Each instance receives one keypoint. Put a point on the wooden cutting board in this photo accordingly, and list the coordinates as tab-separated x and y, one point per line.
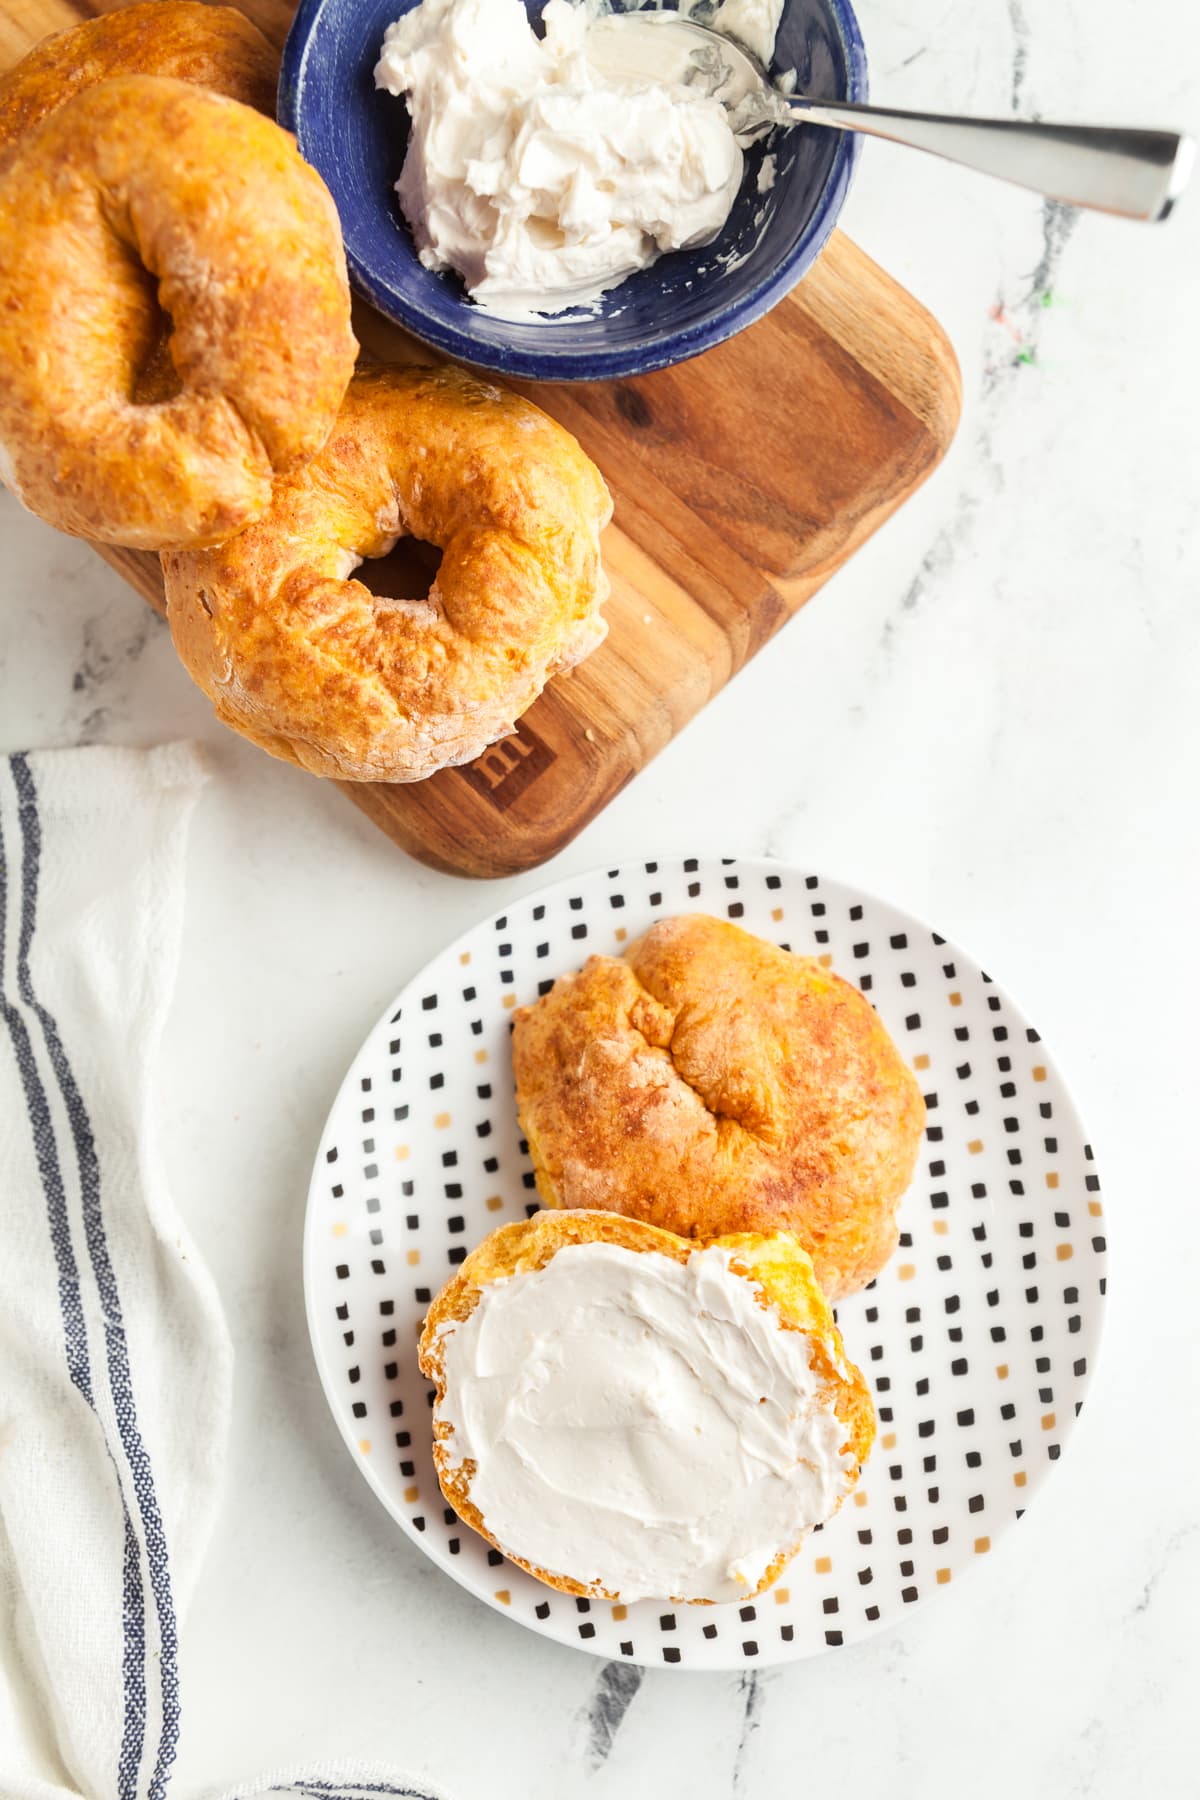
741	481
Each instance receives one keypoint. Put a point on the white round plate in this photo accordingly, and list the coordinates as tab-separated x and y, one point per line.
977	1338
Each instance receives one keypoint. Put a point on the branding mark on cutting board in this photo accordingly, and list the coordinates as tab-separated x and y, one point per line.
506	769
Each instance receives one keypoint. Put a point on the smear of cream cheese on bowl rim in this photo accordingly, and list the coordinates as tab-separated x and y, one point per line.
542	179
642	1424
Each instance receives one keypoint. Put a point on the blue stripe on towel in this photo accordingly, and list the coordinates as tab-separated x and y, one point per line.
46	1151
117	1353
349	1790
77	1359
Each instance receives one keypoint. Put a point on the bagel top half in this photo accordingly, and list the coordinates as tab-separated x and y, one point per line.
707	1081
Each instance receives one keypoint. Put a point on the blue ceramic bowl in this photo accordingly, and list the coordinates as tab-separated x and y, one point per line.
682	304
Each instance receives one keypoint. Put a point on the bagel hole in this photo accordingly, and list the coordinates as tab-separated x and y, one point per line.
157	379
407	571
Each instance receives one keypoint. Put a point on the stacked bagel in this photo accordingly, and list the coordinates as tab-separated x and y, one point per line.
177	374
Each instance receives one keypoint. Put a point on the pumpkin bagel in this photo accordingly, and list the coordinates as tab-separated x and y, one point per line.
709	1082
212	46
141	196
315	668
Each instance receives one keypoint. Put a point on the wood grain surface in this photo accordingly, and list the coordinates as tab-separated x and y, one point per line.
741	481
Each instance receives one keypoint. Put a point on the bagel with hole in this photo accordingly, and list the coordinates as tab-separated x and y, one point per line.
633	1416
707	1081
212	46
139	197
307	662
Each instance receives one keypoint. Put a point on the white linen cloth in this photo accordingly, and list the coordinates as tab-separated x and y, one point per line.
116	1368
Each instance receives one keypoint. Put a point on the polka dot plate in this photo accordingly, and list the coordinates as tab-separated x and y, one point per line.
977	1338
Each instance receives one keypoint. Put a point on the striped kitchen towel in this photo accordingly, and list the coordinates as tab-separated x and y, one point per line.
115	1364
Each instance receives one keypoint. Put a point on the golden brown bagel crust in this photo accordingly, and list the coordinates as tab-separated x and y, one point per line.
320	671
212	46
776	1263
710	1082
143	181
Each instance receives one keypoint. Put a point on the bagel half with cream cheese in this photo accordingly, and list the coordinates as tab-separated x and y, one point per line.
630	1415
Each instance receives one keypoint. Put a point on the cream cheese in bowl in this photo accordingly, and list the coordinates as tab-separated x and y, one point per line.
547	170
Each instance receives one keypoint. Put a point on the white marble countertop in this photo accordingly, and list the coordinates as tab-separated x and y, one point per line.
990	717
